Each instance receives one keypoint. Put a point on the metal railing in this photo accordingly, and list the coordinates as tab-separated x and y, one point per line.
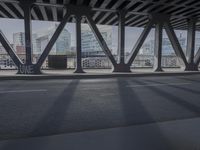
98	62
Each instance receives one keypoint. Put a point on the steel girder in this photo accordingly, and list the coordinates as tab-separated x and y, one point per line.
123	66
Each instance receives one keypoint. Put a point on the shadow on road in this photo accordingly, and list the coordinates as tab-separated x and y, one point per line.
50	123
136	113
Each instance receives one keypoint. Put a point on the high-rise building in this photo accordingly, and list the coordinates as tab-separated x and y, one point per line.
167	49
197	42
61	46
90	45
19	42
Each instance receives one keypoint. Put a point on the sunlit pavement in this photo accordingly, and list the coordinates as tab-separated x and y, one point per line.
91	73
113	113
174	135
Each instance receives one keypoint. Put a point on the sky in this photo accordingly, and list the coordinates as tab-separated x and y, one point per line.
10	26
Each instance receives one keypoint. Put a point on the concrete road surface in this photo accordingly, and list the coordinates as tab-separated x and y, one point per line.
49	107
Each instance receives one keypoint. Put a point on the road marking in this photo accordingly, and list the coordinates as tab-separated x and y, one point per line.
23	91
157	84
107	94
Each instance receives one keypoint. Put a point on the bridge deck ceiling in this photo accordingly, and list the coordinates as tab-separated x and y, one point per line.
104	10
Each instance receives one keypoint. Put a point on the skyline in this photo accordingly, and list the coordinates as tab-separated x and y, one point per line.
10	26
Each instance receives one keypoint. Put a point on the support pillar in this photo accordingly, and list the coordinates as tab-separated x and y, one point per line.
27	67
158	47
191	45
121	66
27	6
78	46
121	37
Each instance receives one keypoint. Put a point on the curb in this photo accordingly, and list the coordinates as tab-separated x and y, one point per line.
94	76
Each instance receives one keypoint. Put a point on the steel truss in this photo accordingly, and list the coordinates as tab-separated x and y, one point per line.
161	21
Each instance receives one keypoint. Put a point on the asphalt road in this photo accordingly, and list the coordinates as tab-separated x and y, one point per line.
46	107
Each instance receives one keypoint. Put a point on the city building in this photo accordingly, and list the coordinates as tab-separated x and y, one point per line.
90	46
41	39
167	49
197	42
19	42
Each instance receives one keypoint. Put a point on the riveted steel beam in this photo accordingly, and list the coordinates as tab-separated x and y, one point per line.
191	40
100	39
27	6
10	50
158	47
53	40
78	46
175	43
121	37
197	57
139	42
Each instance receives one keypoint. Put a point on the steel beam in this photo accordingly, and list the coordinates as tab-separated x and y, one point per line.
139	42
121	66
191	45
10	11
191	40
10	50
19	9
175	43
158	47
121	37
197	57
78	46
52	41
100	39
3	14
28	30
54	10
42	10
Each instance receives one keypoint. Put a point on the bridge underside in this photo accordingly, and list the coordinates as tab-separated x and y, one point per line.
158	14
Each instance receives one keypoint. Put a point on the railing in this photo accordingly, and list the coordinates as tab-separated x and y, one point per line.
98	62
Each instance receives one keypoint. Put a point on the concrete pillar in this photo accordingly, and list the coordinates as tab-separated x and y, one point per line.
158	47
78	46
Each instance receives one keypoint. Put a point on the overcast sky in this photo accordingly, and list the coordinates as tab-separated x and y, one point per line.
10	26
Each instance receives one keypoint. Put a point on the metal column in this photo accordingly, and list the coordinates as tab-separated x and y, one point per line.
191	45
78	46
158	47
121	36
26	5
121	66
